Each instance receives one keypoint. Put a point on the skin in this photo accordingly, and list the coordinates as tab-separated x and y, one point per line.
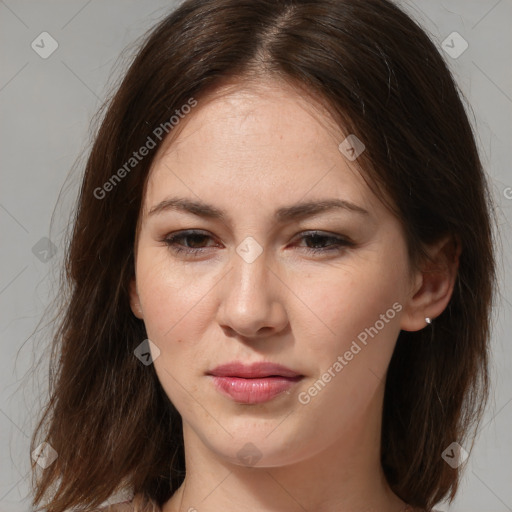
250	149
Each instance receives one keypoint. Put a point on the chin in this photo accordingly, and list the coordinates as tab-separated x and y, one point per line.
256	447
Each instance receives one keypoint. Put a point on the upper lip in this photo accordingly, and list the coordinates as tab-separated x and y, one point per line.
253	371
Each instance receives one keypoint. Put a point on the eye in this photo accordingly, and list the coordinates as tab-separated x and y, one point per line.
194	241
324	242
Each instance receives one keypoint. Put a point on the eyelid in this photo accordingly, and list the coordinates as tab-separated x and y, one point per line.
325	234
186	233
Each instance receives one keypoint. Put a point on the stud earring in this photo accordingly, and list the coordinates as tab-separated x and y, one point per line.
428	320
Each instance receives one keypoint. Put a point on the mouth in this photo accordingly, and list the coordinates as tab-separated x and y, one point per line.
255	383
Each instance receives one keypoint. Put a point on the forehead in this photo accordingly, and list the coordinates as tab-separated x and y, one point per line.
265	114
260	140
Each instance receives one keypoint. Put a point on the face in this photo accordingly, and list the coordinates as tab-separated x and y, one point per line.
232	268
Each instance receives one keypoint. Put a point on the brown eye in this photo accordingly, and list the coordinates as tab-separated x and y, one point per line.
191	242
319	242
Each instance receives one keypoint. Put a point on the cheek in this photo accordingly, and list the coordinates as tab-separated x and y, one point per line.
170	296
359	312
173	308
361	304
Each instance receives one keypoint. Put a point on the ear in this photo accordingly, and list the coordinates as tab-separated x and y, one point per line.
134	300
433	285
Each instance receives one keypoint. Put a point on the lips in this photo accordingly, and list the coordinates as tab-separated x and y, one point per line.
253	371
255	383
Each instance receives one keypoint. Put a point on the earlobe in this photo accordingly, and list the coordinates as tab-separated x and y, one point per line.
134	300
434	285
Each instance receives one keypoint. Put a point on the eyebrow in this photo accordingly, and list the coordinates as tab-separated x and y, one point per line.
284	214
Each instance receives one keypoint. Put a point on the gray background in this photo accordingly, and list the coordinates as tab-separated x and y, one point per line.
46	106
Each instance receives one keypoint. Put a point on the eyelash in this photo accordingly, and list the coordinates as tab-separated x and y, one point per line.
172	242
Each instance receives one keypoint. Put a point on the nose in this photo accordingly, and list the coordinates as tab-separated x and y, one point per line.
252	299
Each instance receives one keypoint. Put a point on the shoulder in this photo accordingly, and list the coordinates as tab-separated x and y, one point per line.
126	506
123	500
136	503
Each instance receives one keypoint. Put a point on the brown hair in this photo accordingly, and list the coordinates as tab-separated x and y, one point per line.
108	417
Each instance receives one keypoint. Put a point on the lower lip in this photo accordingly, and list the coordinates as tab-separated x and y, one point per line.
254	391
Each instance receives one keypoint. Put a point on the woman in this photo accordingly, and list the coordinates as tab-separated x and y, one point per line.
281	272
